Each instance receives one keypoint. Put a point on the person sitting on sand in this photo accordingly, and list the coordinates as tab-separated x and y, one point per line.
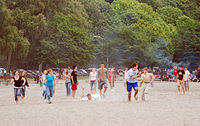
90	97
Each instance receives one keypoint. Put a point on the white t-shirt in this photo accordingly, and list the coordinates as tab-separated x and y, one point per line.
187	73
93	76
94	97
43	77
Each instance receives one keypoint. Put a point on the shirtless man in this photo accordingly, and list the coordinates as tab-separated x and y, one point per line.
147	79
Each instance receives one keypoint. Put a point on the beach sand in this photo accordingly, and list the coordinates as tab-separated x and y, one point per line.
164	107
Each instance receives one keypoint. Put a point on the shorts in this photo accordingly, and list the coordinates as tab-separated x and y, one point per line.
18	91
186	83
74	86
145	87
131	85
180	82
102	84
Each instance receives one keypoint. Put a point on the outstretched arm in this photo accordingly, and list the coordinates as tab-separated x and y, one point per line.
12	81
24	81
134	77
153	78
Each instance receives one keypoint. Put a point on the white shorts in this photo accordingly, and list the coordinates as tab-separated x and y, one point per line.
145	87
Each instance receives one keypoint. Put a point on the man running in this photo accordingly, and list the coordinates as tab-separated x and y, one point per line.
132	81
102	75
147	80
187	75
112	77
180	79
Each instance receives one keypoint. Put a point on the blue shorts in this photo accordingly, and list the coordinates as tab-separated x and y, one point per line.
131	85
186	83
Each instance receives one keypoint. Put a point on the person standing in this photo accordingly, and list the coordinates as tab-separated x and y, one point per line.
74	81
93	80
187	75
69	69
169	72
102	75
67	77
133	74
17	80
125	76
50	84
23	75
198	74
44	84
112	78
147	80
175	73
180	79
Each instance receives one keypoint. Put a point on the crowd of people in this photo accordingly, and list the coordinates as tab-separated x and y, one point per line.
171	74
101	79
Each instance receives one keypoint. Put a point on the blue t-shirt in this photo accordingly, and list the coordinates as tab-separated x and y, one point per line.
131	73
169	72
50	80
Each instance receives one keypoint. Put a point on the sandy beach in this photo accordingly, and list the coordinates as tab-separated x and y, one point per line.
164	107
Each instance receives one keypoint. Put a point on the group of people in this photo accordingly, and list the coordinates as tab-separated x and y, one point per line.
131	82
194	76
182	78
100	78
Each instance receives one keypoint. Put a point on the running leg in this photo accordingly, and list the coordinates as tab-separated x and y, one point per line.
129	96
136	92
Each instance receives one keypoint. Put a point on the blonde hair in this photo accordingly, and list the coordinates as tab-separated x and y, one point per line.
146	68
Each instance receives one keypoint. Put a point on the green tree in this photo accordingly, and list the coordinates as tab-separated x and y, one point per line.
169	14
12	40
187	41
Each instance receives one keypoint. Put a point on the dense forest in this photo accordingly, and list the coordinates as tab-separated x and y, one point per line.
86	32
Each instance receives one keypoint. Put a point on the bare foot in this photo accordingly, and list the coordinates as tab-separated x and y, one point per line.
136	98
143	99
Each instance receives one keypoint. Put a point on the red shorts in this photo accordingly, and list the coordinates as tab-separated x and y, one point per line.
74	86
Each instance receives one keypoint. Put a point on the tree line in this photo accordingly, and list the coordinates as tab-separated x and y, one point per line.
87	32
